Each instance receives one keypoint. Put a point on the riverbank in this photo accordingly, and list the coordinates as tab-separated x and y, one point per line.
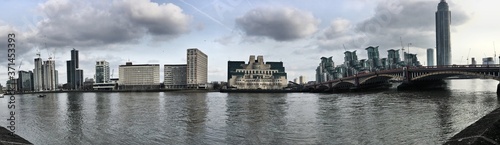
258	91
156	90
484	131
6	138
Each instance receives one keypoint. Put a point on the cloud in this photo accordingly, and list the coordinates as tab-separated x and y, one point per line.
280	24
413	21
337	28
94	23
158	19
225	40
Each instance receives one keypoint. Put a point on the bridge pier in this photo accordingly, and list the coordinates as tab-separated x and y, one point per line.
422	85
498	90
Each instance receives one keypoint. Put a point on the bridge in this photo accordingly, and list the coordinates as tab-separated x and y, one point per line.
410	77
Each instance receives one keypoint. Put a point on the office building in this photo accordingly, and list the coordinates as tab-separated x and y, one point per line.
74	80
102	71
430	57
175	76
197	68
25	81
443	44
139	76
78	78
256	74
37	75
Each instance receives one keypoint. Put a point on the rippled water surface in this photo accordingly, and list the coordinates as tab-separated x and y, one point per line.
388	117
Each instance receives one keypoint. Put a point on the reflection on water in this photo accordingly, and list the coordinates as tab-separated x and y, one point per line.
388	117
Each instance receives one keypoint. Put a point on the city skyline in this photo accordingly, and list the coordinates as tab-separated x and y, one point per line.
222	30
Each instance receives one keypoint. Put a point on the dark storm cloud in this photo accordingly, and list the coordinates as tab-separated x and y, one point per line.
85	24
413	21
280	24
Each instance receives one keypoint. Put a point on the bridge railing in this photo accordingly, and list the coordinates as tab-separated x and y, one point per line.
362	74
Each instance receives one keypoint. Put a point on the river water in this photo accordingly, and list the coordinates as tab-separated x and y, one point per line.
386	117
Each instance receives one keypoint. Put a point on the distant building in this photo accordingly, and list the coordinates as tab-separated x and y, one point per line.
351	59
326	69
443	44
25	81
79	78
37	75
49	75
393	59
139	76
373	61
430	57
11	85
411	59
175	76
256	74
74	75
197	68
488	61
102	71
302	80
473	61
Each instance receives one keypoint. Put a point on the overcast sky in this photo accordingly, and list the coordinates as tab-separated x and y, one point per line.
297	32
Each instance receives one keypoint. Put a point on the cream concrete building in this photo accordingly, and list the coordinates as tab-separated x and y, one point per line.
49	74
139	74
256	74
197	68
175	76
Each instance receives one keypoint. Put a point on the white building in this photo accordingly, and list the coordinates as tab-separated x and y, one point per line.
139	74
257	74
197	68
37	75
101	71
49	75
175	76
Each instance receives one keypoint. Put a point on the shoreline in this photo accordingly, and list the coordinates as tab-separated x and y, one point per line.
113	91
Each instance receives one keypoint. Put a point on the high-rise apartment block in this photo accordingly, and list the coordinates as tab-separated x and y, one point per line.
430	57
443	44
175	76
37	75
197	68
102	72
49	75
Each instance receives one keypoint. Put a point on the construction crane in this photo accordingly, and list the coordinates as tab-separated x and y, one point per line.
112	71
344	47
468	57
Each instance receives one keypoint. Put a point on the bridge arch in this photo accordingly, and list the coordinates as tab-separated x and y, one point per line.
445	74
380	76
343	84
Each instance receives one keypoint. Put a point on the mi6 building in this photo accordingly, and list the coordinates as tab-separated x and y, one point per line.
256	74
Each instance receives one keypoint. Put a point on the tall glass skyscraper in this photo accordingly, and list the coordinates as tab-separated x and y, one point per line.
443	44
74	80
430	57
